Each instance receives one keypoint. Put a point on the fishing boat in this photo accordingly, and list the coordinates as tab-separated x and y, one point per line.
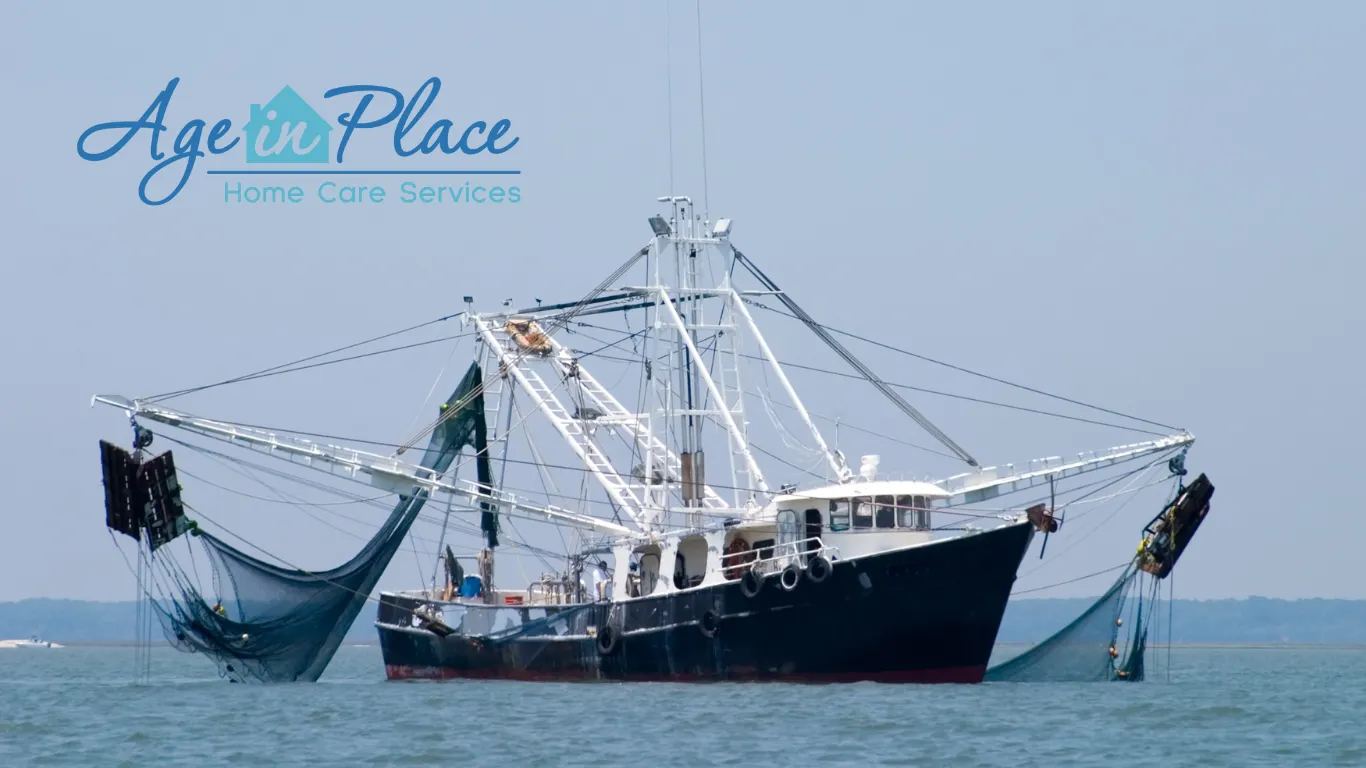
685	559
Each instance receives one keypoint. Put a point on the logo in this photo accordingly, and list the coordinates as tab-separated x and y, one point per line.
300	135
288	131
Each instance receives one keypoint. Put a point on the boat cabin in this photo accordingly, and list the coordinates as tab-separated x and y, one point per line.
841	522
859	518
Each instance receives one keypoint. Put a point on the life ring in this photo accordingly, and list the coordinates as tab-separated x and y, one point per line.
737	560
818	569
790	577
709	623
751	581
607	640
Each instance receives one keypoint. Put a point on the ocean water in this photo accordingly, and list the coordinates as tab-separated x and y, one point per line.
1222	706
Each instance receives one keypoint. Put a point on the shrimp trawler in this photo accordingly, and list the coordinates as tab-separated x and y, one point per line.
681	557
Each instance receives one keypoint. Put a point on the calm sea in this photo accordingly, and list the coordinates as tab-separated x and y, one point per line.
1238	707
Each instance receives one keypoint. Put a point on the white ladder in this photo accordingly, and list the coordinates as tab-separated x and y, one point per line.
628	425
519	365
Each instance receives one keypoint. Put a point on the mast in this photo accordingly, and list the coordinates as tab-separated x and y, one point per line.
677	319
684	389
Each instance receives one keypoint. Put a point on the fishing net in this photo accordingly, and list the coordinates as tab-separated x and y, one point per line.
1083	651
280	624
1088	649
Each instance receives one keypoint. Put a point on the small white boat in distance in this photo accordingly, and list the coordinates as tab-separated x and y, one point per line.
33	642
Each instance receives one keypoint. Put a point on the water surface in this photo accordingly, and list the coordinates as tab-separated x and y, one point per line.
1222	706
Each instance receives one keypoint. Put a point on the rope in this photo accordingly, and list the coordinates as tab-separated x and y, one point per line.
1171	602
1071	581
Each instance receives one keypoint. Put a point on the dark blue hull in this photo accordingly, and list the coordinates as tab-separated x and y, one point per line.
925	614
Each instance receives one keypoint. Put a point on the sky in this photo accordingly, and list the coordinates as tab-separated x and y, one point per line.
1157	210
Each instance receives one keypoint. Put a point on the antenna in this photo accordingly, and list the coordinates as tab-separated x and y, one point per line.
669	79
702	99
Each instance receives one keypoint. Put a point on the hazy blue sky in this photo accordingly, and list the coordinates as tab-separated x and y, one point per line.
1157	209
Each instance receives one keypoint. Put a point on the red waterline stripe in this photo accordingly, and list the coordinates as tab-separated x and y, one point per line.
946	675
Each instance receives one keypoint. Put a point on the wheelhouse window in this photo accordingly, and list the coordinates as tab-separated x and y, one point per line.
839	515
915	512
886	512
905	506
863	513
788	528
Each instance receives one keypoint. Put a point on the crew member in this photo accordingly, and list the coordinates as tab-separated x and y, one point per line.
601	584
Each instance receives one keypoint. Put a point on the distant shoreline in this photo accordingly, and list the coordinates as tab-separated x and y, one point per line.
1252	623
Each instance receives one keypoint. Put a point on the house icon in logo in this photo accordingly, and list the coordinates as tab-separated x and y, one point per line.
287	130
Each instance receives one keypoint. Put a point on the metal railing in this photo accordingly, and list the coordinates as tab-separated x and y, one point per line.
550	591
772	559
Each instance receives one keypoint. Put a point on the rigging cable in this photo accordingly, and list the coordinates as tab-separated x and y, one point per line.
978	400
1072	581
838	423
713	347
298	503
276	369
843	352
781	460
439	375
440	542
952	509
907	387
423	517
972	372
1137	475
550	329
1112	515
547	482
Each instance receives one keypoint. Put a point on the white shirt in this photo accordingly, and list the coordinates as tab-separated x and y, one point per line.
599	579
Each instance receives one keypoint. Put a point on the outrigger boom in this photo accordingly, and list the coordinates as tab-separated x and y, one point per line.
384	472
391	474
